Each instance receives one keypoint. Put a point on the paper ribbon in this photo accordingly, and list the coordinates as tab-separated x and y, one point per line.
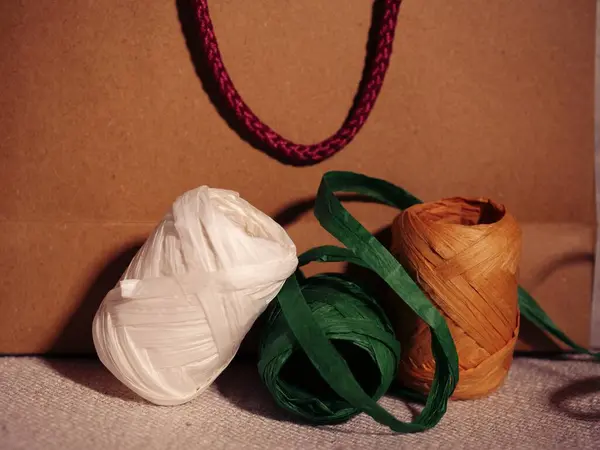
178	315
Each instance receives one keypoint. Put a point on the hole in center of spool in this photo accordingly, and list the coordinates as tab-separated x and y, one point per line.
462	211
300	373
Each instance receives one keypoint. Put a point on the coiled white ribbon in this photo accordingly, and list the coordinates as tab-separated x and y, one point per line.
193	291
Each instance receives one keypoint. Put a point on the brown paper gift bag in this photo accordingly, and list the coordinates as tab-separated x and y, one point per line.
104	121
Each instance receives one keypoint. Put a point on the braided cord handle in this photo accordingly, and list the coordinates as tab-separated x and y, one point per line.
368	91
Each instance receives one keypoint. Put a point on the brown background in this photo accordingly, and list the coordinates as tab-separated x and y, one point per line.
104	121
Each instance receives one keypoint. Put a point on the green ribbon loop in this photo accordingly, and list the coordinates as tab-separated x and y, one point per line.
389	194
365	250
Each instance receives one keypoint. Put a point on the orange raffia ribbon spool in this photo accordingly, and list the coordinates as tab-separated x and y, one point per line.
464	253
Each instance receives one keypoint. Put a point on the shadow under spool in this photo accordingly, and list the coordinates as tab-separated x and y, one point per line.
464	254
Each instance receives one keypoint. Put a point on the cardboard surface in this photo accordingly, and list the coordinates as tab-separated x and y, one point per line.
595	328
104	121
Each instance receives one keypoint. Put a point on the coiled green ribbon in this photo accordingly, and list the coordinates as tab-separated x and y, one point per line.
359	331
296	321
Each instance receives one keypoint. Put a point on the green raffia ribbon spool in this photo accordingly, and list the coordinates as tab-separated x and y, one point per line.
301	360
359	331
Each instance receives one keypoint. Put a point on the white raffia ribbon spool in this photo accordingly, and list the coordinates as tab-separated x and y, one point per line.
181	310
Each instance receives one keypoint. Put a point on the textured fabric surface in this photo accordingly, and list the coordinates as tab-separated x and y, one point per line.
77	404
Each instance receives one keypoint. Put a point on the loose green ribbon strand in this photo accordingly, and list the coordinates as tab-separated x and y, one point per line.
389	194
363	249
532	311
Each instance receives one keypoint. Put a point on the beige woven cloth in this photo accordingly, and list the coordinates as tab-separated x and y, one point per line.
77	404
